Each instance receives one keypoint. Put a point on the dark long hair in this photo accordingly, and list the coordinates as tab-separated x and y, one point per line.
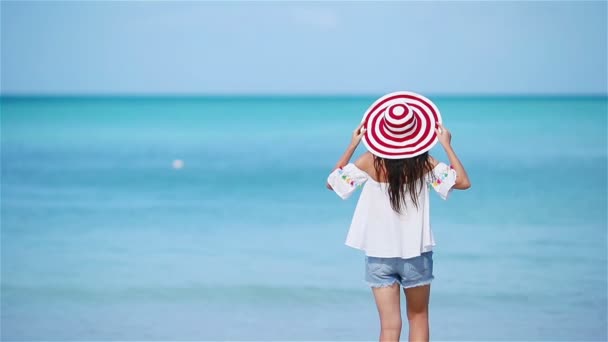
403	176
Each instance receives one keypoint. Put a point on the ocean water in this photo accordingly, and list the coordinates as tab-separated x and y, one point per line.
103	240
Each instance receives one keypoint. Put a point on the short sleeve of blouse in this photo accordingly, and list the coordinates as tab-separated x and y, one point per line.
346	180
443	180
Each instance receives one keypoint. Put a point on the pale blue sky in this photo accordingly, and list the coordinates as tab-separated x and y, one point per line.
303	47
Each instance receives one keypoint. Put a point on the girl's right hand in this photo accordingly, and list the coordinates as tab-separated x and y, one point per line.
444	136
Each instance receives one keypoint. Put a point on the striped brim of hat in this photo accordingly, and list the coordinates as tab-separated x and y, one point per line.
400	125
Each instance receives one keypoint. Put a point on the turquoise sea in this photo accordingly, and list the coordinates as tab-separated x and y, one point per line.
102	239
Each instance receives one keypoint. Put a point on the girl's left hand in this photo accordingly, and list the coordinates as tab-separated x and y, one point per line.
358	134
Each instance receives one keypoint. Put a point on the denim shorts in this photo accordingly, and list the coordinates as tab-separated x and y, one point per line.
416	271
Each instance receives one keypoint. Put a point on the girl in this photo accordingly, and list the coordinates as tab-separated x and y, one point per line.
391	220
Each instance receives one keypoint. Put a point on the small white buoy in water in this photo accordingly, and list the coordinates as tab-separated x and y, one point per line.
178	164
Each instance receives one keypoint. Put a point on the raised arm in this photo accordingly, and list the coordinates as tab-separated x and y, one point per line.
445	139
345	159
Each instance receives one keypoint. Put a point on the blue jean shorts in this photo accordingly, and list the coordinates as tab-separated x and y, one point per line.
416	271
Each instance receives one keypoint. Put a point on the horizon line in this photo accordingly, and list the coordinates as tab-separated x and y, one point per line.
294	95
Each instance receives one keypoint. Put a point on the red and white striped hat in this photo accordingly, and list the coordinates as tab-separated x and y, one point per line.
400	125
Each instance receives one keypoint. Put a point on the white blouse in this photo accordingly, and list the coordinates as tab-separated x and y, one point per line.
376	228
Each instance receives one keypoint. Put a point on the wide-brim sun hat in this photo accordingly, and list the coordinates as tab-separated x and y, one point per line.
400	125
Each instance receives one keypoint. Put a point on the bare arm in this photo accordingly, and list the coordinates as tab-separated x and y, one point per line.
445	138
345	159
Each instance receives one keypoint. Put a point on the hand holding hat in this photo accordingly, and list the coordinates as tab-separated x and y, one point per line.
443	135
357	135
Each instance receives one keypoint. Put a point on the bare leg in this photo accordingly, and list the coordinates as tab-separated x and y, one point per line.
388	302
417	299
